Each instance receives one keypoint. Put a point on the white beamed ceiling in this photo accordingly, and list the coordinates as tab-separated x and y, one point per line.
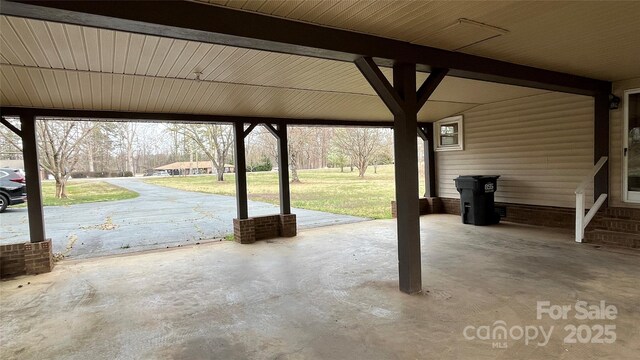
597	39
52	65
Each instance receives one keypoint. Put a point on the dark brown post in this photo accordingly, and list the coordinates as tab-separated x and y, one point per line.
404	102
283	170
430	163
425	132
601	144
241	171
406	170
32	170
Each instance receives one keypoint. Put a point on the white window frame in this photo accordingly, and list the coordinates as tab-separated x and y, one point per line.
448	121
627	196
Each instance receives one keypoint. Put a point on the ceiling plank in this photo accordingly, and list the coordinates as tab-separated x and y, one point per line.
220	25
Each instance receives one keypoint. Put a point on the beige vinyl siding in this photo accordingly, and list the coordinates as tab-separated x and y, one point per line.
541	146
616	130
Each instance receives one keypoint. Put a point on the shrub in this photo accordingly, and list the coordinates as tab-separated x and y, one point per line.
79	174
263	165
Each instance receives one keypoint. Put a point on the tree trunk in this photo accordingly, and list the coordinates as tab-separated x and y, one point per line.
90	155
341	168
220	173
61	188
130	160
294	169
220	168
362	167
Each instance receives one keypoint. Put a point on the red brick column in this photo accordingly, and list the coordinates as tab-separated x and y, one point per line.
38	257
244	231
288	225
26	259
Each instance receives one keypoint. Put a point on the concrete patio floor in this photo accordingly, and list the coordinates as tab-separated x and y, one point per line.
330	293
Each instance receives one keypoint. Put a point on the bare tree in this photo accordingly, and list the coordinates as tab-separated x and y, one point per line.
299	144
60	145
127	135
213	140
361	145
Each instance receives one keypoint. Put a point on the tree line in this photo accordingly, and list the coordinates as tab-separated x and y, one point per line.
100	148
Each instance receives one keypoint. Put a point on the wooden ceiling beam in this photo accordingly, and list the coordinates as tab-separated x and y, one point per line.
97	115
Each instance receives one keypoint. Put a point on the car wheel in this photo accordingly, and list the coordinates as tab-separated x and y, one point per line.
4	202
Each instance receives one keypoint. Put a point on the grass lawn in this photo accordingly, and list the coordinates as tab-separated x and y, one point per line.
322	189
83	191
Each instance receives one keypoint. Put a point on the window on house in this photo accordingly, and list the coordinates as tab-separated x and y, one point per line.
449	134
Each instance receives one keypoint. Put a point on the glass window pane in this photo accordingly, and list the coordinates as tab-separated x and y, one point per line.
449	140
633	155
449	129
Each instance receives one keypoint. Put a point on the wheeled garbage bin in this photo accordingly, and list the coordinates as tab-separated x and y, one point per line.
476	199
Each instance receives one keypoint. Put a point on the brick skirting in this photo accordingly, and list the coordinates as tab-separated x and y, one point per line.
25	259
431	205
450	206
247	231
524	214
517	213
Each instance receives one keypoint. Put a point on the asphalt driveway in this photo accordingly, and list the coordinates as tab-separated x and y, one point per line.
160	217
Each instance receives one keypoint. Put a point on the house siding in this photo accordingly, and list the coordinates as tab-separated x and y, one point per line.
541	146
616	124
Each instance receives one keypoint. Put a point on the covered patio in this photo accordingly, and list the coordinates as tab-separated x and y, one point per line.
530	91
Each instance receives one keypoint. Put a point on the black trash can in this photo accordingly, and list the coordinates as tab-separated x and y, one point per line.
476	199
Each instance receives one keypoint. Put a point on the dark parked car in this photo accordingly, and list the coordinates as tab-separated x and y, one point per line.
13	190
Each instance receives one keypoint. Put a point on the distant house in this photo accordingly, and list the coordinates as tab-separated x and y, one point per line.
192	167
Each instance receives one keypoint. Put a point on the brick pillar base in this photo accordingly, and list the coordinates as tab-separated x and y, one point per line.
247	231
244	231
38	257
288	225
26	259
433	205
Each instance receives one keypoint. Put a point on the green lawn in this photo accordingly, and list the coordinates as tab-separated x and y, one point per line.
324	190
83	191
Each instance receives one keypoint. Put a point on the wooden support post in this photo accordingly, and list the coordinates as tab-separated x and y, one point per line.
601	144
32	174
406	170
426	134
430	163
241	171
283	170
404	103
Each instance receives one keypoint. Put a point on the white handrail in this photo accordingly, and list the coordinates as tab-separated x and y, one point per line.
587	178
583	220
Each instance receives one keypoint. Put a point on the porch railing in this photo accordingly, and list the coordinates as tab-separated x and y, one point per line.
583	220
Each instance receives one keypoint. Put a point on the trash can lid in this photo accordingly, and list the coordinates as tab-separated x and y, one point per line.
478	176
